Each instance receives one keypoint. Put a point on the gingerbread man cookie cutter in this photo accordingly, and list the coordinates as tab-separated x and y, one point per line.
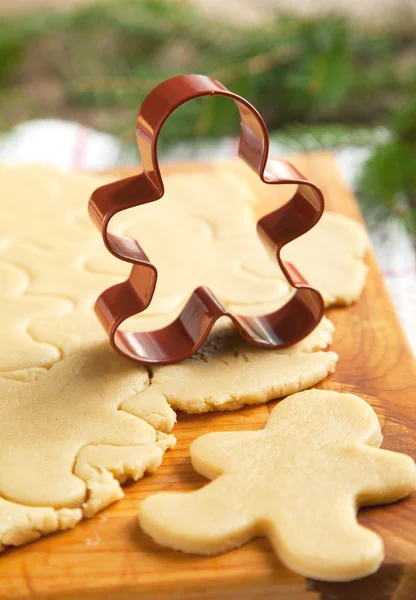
185	335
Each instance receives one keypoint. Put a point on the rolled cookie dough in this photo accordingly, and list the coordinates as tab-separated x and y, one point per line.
23	524
44	233
46	207
70	439
19	349
228	372
214	233
299	482
330	256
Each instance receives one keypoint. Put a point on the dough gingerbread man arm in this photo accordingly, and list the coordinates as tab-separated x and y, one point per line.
214	453
381	476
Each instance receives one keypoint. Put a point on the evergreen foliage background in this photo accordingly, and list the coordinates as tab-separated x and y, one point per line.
318	83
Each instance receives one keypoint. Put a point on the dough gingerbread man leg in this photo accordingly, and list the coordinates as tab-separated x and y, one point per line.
220	521
364	475
299	482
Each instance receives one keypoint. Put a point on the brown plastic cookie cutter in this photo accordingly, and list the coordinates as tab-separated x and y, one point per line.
184	336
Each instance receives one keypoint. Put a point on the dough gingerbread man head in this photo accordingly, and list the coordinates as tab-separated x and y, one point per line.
299	481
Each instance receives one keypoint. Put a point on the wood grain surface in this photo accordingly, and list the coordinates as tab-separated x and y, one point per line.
109	557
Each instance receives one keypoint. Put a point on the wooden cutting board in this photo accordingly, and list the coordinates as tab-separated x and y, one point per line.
109	557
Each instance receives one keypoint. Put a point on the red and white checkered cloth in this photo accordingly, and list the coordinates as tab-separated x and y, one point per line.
70	146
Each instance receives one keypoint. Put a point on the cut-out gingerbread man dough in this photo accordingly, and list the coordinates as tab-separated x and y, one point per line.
69	440
228	372
299	481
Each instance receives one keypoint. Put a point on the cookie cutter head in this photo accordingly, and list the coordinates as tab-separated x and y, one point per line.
185	335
